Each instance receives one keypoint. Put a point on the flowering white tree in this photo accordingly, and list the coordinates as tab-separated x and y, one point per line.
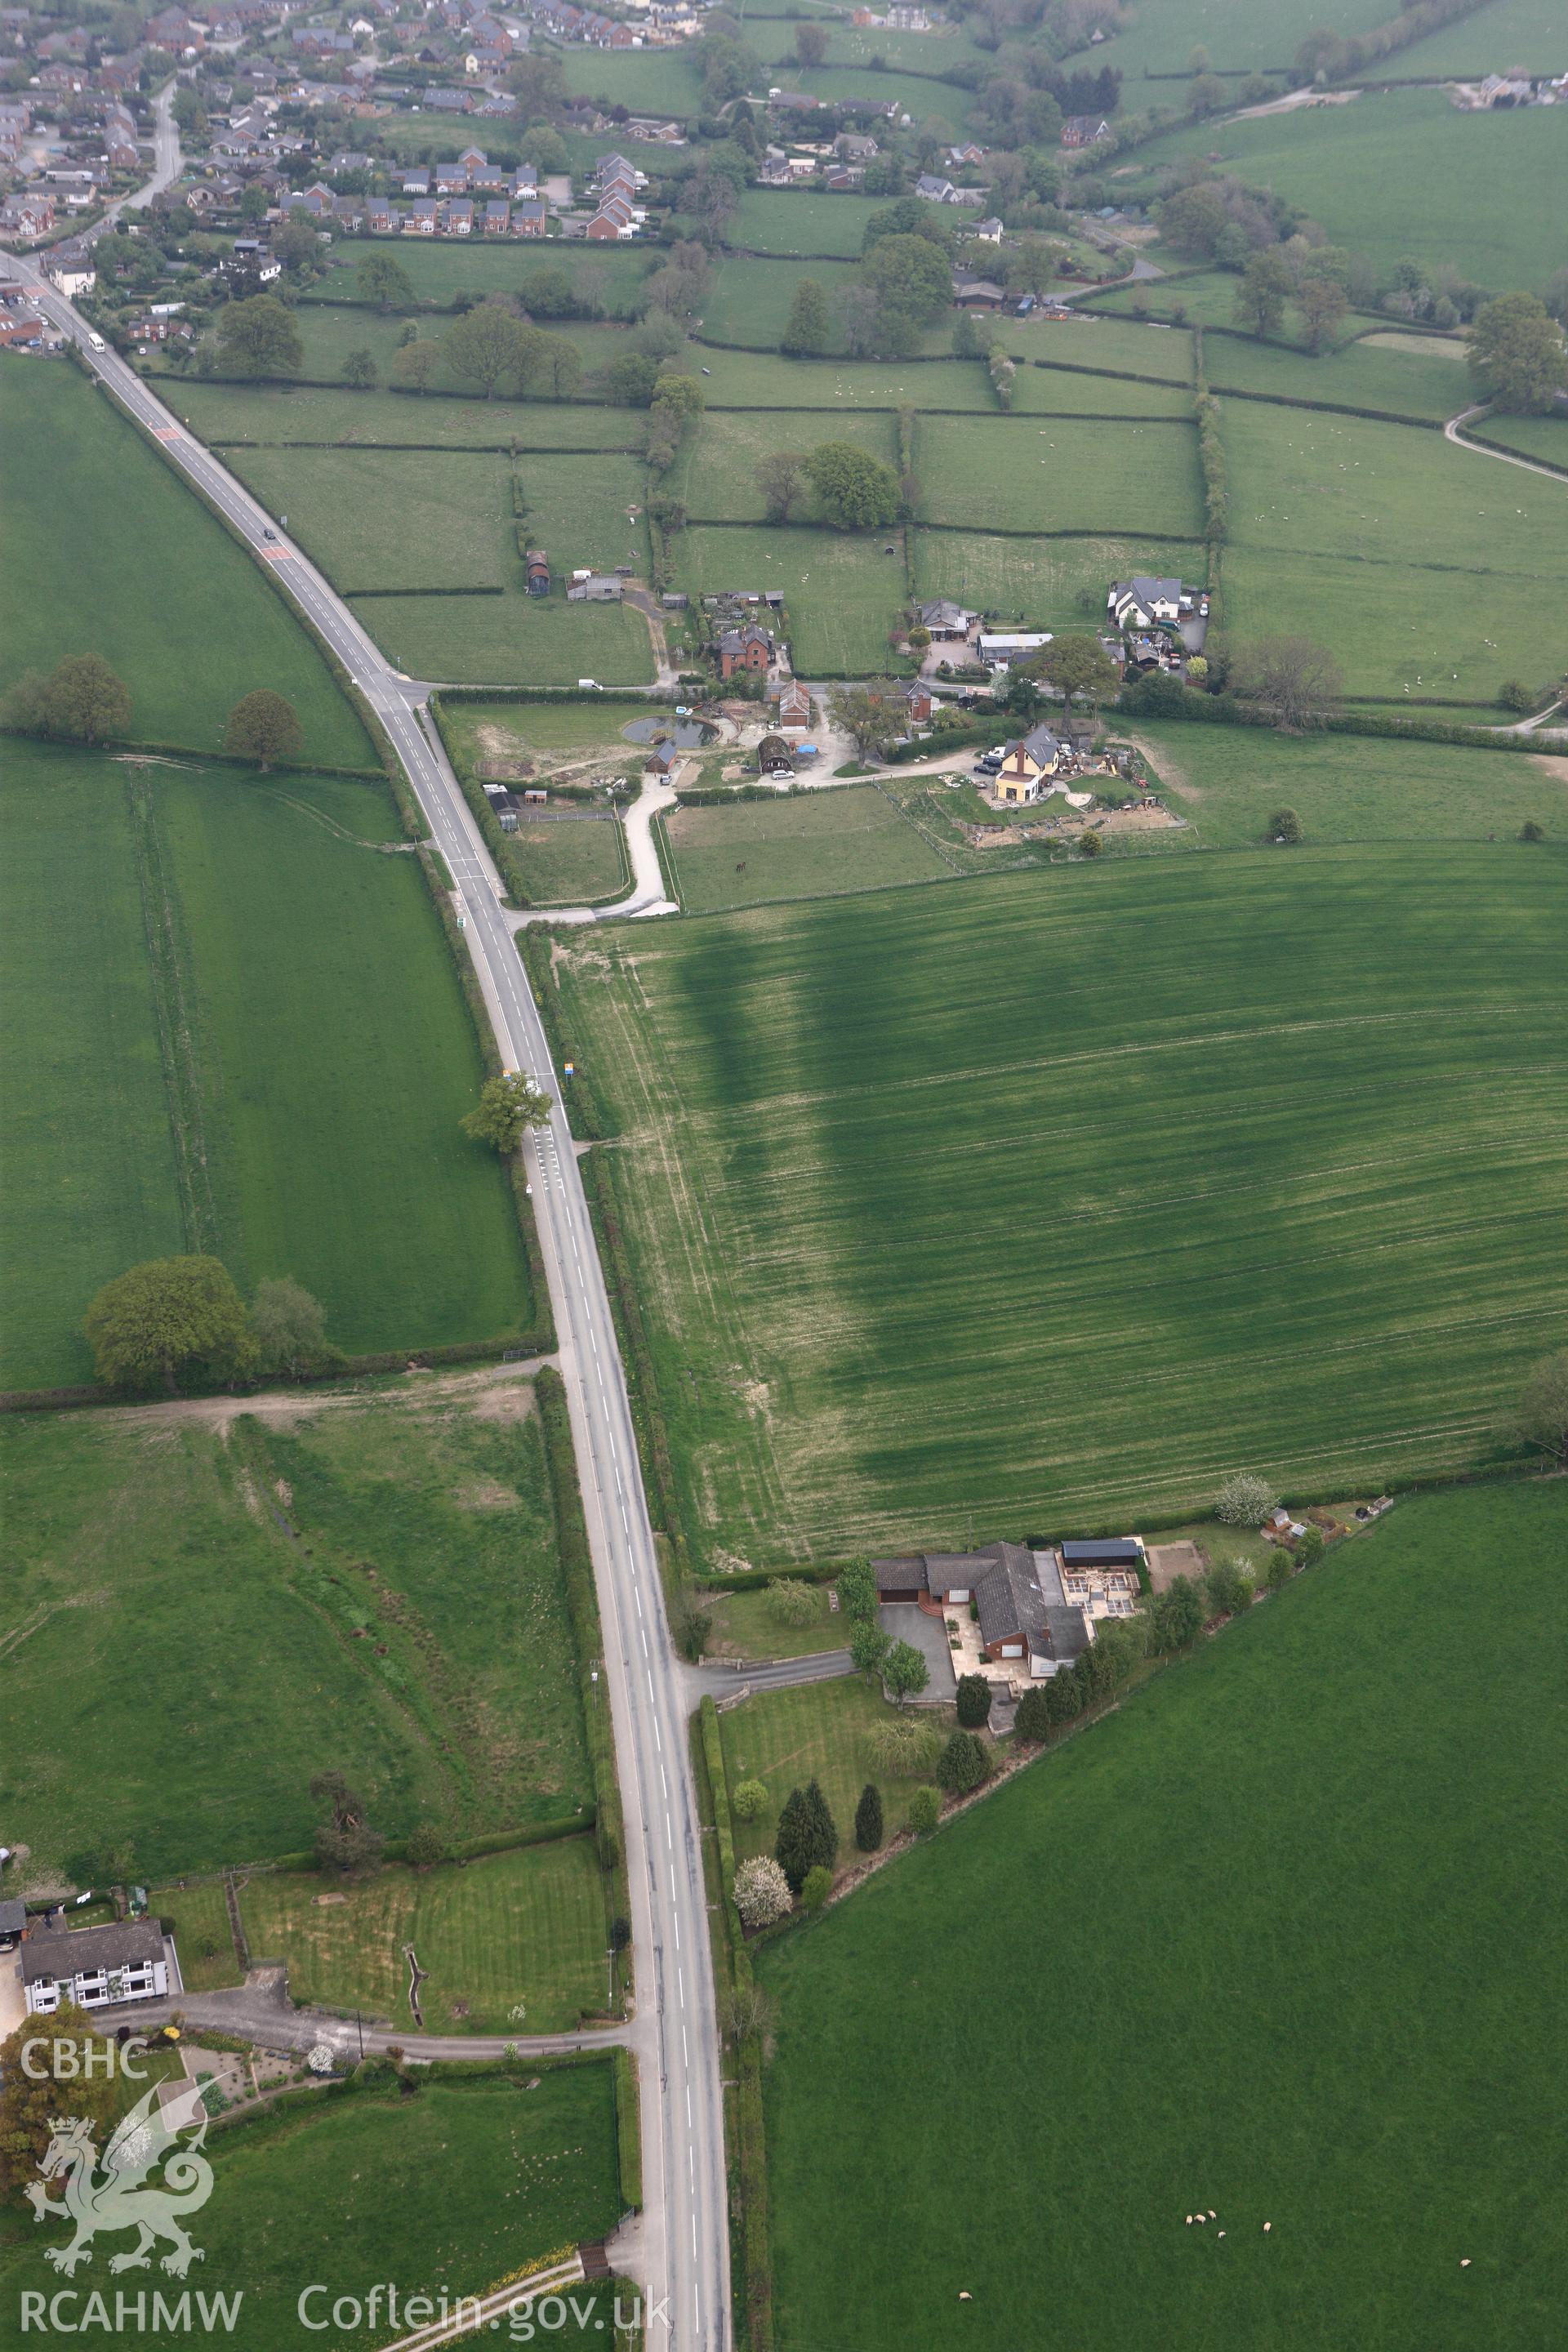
762	1892
1245	1501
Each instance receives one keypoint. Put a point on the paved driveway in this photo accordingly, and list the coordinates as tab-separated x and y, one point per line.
906	1623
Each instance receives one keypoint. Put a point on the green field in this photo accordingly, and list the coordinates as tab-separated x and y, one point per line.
810	847
1291	1130
1545	437
439	270
553	733
1530	32
750	380
513	1941
845	593
1403	173
1397	372
750	302
145	1555
1228	781
71	585
450	2191
716	472
801	222
1313	1870
512	640
88	1161
1059	582
1072	391
222	413
389	518
567	863
1239	36
206	924
1089	341
1070	473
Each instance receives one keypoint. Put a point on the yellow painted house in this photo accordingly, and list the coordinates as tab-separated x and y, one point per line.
1031	759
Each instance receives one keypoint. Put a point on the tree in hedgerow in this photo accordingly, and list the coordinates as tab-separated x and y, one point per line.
1231	1586
507	1105
164	1318
782	480
1322	304
630	378
1032	1721
380	279
53	2086
905	1672
345	1843
414	364
260	337
1517	354
808	326
855	490
288	1329
963	1764
748	1800
869	1819
1079	668
925	1811
1064	1700
426	1846
810	45
264	726
792	1602
1284	826
1295	682
359	371
1540	1413
1245	1500
485	346
869	1647
1265	286
691	1627
805	1836
857	1588
815	1887
973	1701
1091	845
762	1892
1179	1615
81	700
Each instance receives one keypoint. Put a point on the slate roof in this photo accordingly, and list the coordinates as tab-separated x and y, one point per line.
82	1951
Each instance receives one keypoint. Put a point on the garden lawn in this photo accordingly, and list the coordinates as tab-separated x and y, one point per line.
1324	1904
816	1731
202	1936
212	631
1404	172
1229	782
1294	1127
225	414
87	1157
1012	473
845	595
1059	582
447	2193
803	224
819	845
512	1940
571	862
747	1625
716	472
422	1643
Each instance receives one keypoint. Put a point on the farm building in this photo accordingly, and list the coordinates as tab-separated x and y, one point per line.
793	704
538	570
595	588
775	762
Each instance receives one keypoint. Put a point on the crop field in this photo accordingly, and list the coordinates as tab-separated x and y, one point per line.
512	1940
87	1161
263	1136
141	1551
822	845
447	2192
513	640
385	518
716	473
845	593
859	1219
567	862
439	270
803	224
71	587
1323	2099
1403	172
1050	581
275	415
1406	375
1228	781
815	1732
1066	475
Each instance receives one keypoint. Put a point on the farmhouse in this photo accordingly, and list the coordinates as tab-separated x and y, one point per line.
749	647
97	1967
1030	1604
1144	602
944	618
1030	759
1085	130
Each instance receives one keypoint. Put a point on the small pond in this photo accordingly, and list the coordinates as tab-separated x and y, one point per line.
689	734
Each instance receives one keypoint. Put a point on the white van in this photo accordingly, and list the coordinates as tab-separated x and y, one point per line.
97	341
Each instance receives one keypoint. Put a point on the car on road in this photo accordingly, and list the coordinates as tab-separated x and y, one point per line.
269	534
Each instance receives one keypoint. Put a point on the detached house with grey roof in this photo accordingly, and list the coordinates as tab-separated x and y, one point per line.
1037	1609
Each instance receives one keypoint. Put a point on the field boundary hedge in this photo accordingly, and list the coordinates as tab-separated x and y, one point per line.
548	693
549	1832
583	1604
359	595
628	2129
1225	710
112	743
1512	449
753	2242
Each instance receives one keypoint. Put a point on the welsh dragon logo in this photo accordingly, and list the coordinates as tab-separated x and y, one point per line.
117	2197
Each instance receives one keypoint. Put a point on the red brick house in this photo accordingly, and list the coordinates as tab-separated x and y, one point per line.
749	648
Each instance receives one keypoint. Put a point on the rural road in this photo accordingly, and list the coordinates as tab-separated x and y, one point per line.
1454	431
675	2035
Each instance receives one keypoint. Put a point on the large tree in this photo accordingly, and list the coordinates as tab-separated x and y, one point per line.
289	1327
264	726
1540	1416
1077	666
414	366
855	490
164	1318
484	346
912	278
862	716
382	280
83	700
806	1836
49	2087
1265	286
259	337
538	82
807	328
906	1672
507	1105
1518	355
1297	682
810	45
782	480
359	369
1323	304
869	1819
963	1764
